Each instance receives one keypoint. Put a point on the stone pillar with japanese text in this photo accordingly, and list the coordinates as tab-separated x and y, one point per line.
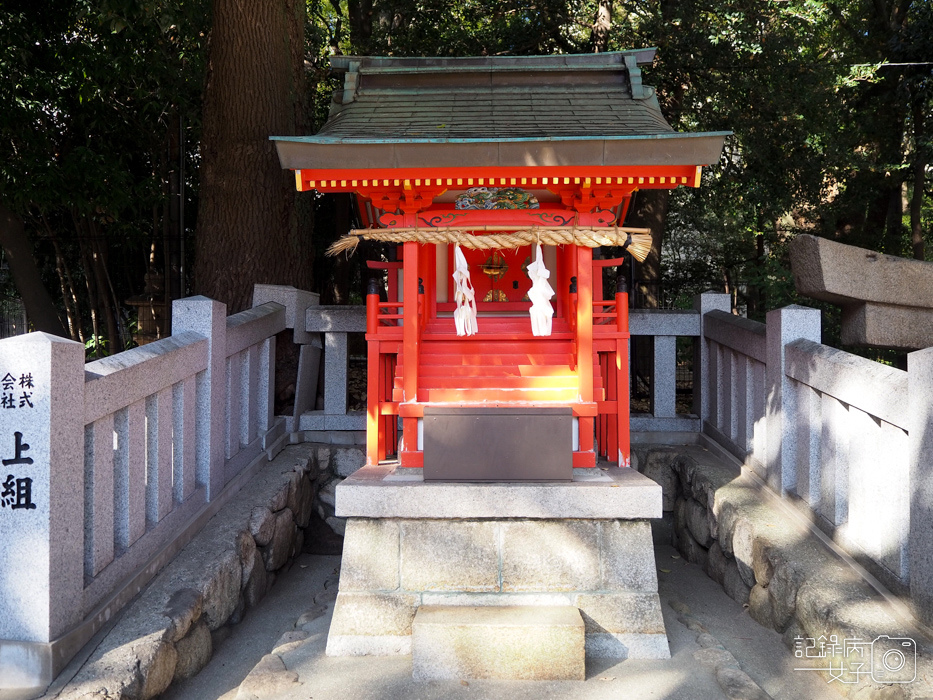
41	500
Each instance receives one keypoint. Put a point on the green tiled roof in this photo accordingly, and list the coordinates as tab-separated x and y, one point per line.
574	109
494	98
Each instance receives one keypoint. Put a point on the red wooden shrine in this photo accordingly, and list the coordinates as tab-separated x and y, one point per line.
392	142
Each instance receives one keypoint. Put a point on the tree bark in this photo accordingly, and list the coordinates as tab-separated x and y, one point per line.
649	210
248	229
40	310
601	26
360	14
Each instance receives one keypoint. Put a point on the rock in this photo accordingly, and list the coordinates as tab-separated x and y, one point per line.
323	459
298	544
738	685
728	514
792	568
743	544
236	617
685	468
793	631
245	546
338	525
702	487
782	588
657	467
156	666
883	692
692	624
733	583
193	650
759	606
183	608
276	553
289	640
680	515
294	491
327	596
841	603
262	525
222	590
708	641
279	500
715	657
347	460
267	679
328	494
310	615
305	503
716	563
762	565
255	580
692	551
698	522
303	463
711	518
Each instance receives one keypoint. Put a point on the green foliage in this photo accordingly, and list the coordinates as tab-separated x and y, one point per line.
831	105
818	96
93	93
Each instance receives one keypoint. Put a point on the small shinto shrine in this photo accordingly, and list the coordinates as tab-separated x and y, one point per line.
492	342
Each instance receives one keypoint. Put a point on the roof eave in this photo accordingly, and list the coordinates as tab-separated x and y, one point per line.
393	64
322	153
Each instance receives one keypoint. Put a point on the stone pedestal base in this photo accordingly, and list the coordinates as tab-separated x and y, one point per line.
584	544
541	643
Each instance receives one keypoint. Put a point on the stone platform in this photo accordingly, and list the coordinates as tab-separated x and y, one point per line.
584	544
534	643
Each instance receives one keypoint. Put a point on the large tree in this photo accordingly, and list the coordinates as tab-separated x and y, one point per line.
249	229
94	94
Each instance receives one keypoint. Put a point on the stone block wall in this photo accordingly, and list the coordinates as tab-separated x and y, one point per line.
392	566
333	464
169	633
724	522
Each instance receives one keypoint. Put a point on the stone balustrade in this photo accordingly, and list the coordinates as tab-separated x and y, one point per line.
843	438
110	468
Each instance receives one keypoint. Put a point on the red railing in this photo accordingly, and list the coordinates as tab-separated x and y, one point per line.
384	328
610	341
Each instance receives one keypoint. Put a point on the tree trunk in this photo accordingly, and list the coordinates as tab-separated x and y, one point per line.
248	229
360	14
649	210
40	310
601	26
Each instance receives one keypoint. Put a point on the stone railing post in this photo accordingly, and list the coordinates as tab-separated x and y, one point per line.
784	326
296	303
209	318
41	502
703	382
920	455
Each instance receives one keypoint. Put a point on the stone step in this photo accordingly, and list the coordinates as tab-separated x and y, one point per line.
518	642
